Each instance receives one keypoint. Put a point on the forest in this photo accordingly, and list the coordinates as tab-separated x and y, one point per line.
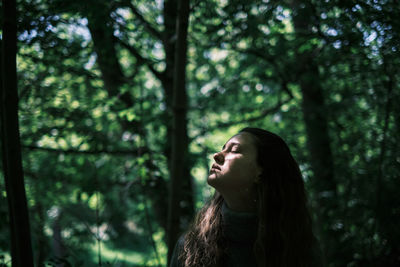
111	112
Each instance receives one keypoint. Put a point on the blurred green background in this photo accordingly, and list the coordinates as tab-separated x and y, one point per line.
95	82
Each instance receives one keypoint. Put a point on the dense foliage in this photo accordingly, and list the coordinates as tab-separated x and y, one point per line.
95	88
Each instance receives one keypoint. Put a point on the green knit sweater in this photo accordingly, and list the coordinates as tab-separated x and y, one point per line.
240	231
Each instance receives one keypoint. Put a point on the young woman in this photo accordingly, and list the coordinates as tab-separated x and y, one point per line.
258	215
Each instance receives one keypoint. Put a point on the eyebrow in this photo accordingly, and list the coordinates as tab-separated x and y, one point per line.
232	144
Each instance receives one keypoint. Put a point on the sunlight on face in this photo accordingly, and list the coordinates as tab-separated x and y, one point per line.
235	166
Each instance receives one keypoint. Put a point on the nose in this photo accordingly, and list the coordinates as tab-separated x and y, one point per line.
219	158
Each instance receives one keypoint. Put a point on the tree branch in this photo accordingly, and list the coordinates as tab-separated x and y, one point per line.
80	71
140	58
265	112
270	60
87	152
145	23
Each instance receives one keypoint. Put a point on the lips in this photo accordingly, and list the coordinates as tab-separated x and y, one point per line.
215	167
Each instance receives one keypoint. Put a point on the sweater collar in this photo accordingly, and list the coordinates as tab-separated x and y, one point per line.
239	226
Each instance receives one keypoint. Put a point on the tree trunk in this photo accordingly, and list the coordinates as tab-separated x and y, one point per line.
316	123
170	37
41	239
179	127
21	248
102	35
104	46
169	42
58	244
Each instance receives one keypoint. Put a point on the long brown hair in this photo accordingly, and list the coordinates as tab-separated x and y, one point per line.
284	236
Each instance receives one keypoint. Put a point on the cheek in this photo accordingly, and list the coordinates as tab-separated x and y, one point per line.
242	171
240	164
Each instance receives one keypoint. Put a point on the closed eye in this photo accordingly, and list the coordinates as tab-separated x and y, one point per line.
235	149
232	147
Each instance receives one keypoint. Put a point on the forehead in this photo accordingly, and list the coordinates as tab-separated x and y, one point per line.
242	139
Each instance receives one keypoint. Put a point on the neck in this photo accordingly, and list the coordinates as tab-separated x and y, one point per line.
241	200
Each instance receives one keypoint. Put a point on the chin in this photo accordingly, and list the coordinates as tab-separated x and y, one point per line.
212	180
209	179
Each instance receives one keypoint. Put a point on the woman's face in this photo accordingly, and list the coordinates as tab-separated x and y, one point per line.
235	167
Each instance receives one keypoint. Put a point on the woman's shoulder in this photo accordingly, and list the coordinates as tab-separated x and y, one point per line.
175	261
